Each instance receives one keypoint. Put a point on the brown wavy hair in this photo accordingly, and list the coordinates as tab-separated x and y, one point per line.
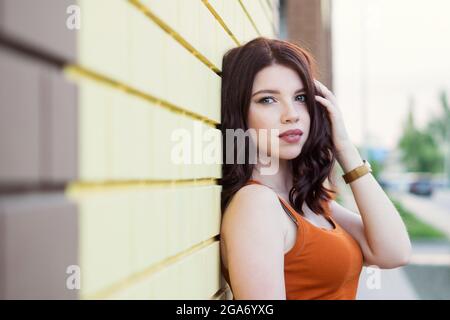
315	163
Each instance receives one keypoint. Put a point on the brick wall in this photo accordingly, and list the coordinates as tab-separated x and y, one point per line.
308	23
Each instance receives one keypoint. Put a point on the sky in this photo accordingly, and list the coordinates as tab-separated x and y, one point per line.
407	56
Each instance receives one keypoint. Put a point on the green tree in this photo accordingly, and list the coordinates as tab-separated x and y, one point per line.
420	151
377	166
439	128
440	124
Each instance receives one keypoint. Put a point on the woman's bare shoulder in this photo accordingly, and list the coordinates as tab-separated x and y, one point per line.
252	196
252	203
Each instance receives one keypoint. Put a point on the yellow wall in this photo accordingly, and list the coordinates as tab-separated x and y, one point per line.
148	228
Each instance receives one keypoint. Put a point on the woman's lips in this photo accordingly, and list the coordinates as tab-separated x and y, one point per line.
291	136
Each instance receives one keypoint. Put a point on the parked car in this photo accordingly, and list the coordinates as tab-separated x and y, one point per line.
421	187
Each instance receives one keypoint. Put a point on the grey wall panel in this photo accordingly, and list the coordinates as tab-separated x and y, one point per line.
60	126
38	122
38	241
19	118
40	24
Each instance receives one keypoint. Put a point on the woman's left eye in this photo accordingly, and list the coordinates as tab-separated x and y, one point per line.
304	97
268	100
265	100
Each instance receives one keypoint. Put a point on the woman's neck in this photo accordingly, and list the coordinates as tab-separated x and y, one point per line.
280	182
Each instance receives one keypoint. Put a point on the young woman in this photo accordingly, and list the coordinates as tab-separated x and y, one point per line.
283	236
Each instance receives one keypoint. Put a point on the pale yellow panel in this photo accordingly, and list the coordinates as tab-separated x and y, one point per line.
182	147
267	9
259	16
212	216
249	30
131	150
168	11
181	76
198	210
148	227
207	36
135	291
232	15
189	280
213	36
147	55
213	271
191	28
104	36
191	19
124	232
126	46
168	221
142	289
93	142
115	135
196	276
162	124
211	151
105	240
212	88
250	6
124	137
267	21
216	215
184	217
174	226
187	77
186	140
172	132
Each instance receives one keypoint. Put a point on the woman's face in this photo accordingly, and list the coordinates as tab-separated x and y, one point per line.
278	101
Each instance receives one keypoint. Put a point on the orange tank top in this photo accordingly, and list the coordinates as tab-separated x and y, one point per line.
323	264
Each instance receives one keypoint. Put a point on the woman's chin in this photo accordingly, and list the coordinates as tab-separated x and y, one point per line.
290	152
287	152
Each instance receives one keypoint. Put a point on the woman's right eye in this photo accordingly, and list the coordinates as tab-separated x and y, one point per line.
264	100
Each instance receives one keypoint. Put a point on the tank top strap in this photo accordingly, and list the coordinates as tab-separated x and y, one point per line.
286	206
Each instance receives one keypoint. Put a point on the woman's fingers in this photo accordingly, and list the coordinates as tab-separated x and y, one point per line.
327	103
325	91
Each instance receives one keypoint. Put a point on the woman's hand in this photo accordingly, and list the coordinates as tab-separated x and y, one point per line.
340	137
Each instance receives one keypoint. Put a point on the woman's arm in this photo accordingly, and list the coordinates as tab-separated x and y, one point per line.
254	241
386	235
385	242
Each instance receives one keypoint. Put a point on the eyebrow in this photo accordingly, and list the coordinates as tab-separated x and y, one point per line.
276	91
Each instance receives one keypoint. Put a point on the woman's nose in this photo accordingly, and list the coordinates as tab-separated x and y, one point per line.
290	115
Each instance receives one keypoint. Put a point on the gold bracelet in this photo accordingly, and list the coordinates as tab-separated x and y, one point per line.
357	172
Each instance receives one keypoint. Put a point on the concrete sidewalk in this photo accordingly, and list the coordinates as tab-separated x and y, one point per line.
393	284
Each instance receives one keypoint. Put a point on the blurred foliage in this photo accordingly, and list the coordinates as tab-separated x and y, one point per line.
417	229
439	126
420	149
377	166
